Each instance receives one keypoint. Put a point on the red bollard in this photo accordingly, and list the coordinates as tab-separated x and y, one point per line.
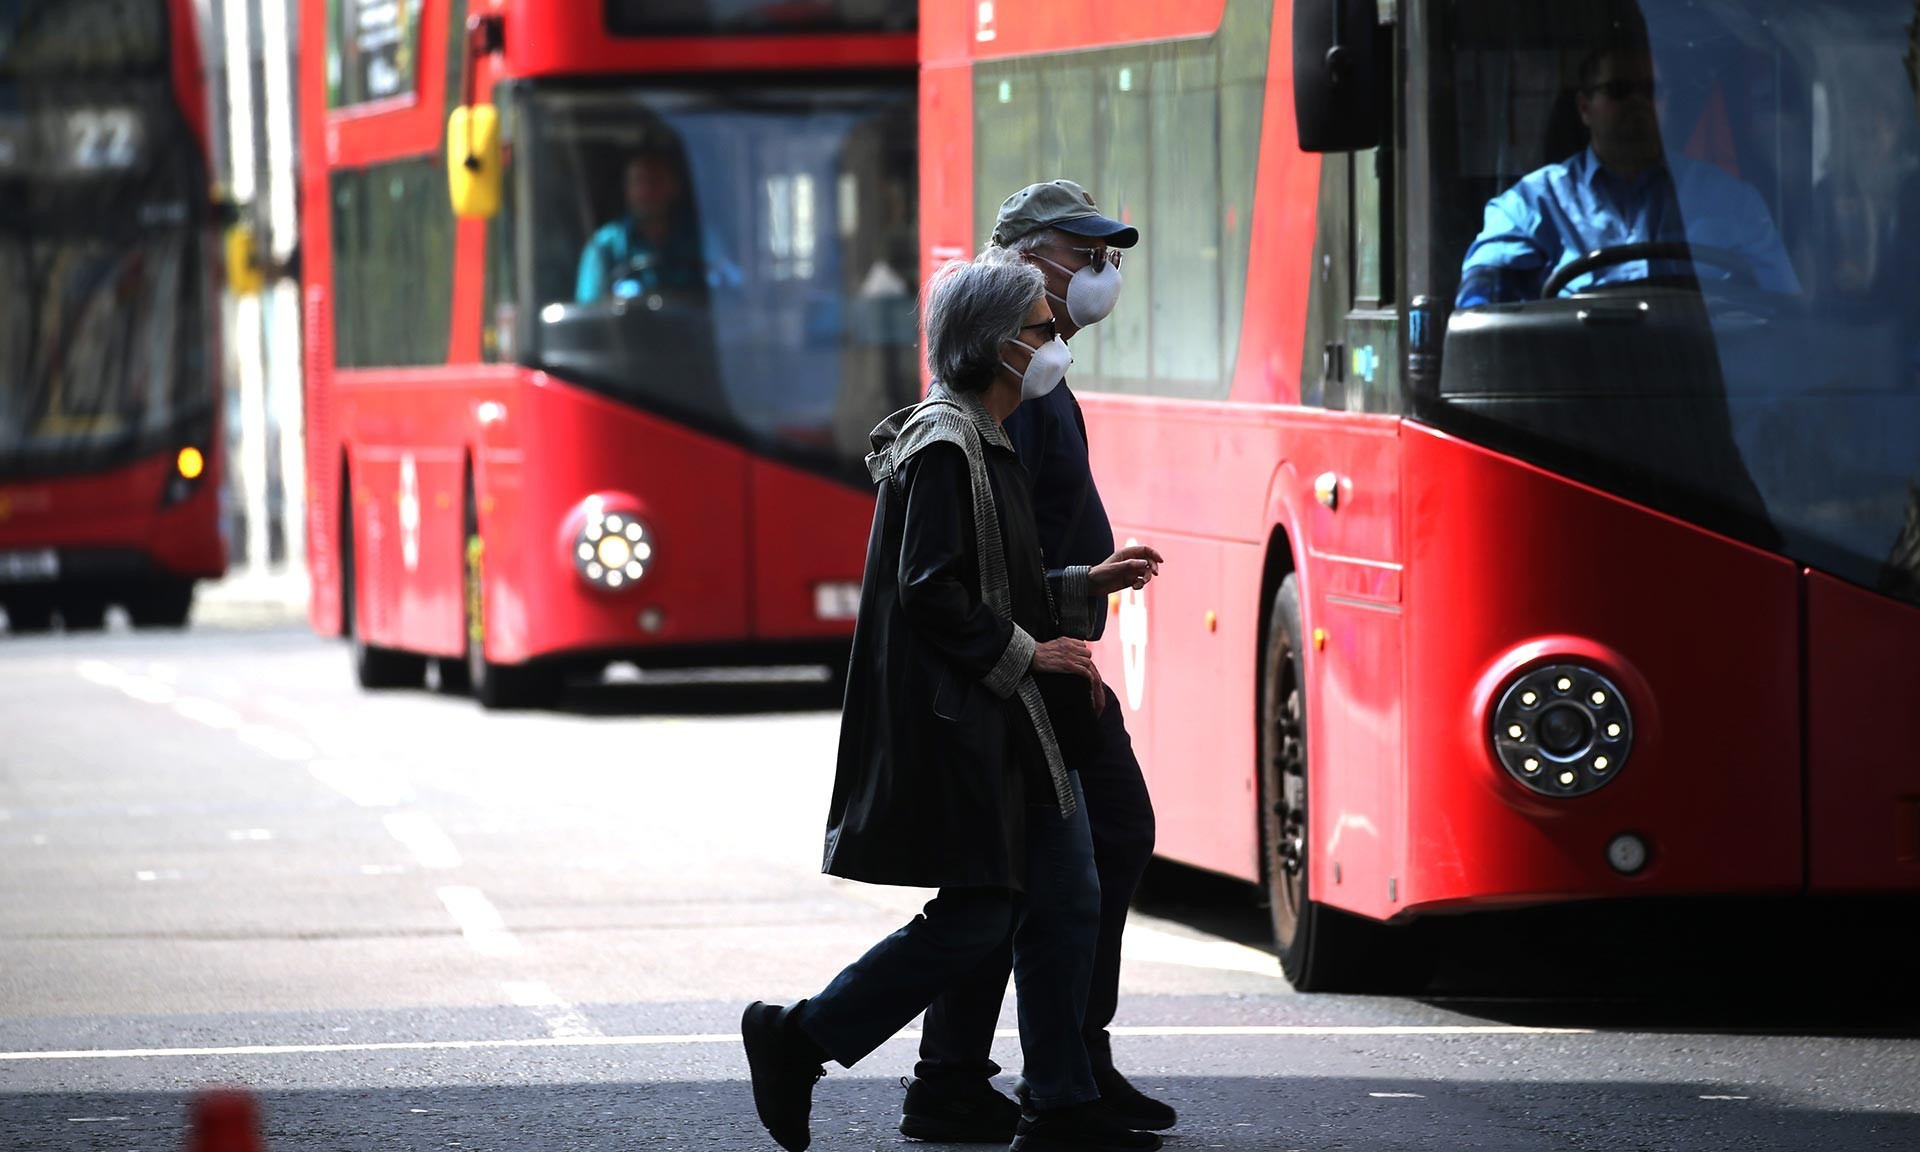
224	1120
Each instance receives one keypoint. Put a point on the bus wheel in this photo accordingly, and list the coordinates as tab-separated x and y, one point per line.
27	614
83	611
495	686
165	604
1306	933
1322	949
373	667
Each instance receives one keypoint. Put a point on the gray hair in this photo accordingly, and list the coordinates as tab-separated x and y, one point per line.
971	309
1038	238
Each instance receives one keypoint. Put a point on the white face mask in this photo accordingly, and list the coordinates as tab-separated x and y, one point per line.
1046	367
1090	295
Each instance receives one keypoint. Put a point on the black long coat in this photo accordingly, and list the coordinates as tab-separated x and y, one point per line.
938	758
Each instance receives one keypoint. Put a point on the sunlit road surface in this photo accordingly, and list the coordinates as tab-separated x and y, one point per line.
408	925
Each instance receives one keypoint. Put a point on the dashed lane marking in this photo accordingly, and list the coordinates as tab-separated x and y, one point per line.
212	713
480	922
279	744
366	785
562	1019
734	1038
423	837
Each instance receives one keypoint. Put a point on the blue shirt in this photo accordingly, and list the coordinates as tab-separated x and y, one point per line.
1050	437
1564	211
620	261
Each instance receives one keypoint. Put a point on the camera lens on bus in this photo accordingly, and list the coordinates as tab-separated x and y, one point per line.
1563	730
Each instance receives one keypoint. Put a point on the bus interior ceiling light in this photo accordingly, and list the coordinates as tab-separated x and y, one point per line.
612	549
1562	730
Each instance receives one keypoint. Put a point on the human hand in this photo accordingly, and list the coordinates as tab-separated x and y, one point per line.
1130	567
1099	687
1067	655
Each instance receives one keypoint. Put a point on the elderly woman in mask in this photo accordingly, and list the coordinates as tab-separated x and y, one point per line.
950	774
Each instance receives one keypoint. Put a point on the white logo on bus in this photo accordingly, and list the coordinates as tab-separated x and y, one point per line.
409	512
1133	641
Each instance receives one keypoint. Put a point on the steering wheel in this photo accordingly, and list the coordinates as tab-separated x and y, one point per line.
1733	263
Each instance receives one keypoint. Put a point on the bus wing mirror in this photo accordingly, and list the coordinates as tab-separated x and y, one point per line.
1336	83
246	270
473	161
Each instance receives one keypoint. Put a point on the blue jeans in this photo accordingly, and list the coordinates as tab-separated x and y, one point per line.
960	1023
1054	928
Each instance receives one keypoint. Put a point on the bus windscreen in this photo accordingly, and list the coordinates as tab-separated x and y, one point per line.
741	260
102	247
1742	180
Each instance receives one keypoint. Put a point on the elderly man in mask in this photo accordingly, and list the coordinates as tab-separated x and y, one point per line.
1055	227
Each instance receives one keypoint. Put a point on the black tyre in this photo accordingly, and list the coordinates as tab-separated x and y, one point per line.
166	604
1321	949
83	610
495	686
29	614
373	667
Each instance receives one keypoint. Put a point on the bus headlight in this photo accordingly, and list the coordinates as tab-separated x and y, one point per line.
612	550
1563	730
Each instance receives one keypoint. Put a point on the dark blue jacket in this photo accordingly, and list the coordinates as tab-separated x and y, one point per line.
1050	436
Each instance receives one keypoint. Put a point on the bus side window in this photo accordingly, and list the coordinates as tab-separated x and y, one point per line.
1372	349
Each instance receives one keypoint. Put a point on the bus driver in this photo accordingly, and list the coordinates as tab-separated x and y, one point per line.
1623	189
652	247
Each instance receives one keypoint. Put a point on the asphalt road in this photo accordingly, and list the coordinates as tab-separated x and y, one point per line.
406	924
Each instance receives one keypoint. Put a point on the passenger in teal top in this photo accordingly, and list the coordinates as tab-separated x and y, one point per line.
653	247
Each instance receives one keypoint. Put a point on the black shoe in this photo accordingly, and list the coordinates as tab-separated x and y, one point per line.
1130	1106
958	1112
1079	1128
785	1066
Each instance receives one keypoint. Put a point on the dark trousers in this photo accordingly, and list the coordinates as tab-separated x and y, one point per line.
1048	934
960	1023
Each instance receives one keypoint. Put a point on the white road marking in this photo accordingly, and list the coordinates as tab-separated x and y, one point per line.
561	1018
480	922
160	670
423	837
148	690
92	1119
724	1038
212	713
367	785
1145	943
1726	1097
1396	1096
276	743
102	673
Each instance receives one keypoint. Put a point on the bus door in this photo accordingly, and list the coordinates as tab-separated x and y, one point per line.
1350	469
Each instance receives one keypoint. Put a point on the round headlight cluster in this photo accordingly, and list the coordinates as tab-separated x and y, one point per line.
612	549
1563	730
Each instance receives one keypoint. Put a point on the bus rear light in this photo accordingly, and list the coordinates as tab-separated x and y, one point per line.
612	550
1562	730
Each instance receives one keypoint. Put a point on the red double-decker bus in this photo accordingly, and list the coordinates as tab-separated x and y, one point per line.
1605	589
615	407
110	426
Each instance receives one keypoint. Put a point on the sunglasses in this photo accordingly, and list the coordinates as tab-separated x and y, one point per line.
1621	90
1098	257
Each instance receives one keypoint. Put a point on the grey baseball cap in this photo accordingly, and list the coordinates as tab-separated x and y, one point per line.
1058	204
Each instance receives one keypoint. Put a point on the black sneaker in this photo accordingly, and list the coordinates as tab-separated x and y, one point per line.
1130	1106
785	1066
957	1112
1079	1128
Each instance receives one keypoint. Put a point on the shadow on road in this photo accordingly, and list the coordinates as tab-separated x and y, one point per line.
1775	966
1289	1110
